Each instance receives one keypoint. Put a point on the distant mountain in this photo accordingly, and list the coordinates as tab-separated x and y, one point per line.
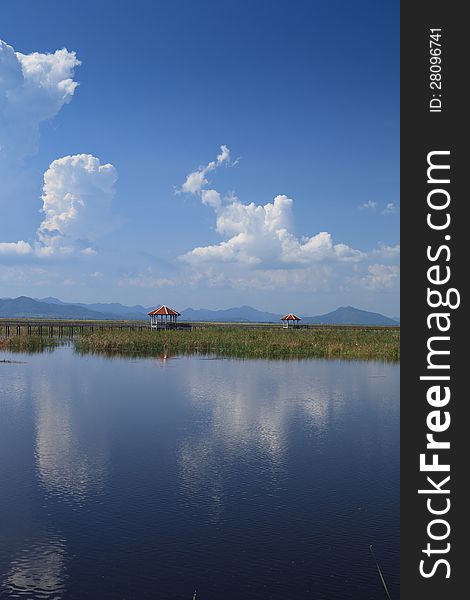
348	315
57	309
112	308
345	315
50	300
243	314
129	313
119	309
29	308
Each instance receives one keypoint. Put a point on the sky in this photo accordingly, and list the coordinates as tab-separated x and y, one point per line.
206	154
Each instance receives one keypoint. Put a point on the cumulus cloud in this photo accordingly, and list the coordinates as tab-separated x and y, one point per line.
211	198
258	235
33	88
259	249
77	196
77	190
385	251
381	276
16	248
196	180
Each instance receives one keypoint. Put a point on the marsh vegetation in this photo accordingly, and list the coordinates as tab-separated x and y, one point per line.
377	344
27	343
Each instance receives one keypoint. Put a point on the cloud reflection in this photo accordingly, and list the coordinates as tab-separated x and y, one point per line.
38	571
237	416
71	455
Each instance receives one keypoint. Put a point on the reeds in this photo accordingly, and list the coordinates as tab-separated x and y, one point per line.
27	343
239	342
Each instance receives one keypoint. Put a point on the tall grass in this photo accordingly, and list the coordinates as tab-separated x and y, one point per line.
248	343
27	343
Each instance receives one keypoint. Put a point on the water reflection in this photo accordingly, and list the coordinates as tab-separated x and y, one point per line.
253	404
250	479
71	458
243	412
38	571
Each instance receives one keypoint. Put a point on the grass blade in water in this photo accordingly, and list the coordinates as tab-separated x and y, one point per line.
380	573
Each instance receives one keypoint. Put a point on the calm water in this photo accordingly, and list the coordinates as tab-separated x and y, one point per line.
149	479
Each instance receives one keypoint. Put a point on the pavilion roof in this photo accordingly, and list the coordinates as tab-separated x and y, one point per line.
290	317
164	310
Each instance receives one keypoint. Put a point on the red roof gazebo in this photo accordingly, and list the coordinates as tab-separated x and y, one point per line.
290	320
163	317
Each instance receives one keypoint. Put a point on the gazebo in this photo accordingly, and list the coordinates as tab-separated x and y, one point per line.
163	317
290	320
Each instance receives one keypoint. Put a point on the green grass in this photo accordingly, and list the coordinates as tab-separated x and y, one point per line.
27	343
382	344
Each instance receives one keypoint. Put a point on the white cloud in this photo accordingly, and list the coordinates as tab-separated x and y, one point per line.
211	198
77	189
33	88
259	235
196	180
77	195
224	155
381	276
15	248
370	204
26	275
147	280
259	249
386	252
313	278
88	251
318	248
390	209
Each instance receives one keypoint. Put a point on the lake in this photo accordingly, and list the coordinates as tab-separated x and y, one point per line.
151	478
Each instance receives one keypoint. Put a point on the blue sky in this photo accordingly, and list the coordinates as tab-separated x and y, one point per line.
304	96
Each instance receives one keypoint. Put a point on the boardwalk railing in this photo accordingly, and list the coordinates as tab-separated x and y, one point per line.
55	327
58	328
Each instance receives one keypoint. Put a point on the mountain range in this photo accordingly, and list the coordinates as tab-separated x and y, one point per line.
53	308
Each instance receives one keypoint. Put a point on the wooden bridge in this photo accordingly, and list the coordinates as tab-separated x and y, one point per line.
54	327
